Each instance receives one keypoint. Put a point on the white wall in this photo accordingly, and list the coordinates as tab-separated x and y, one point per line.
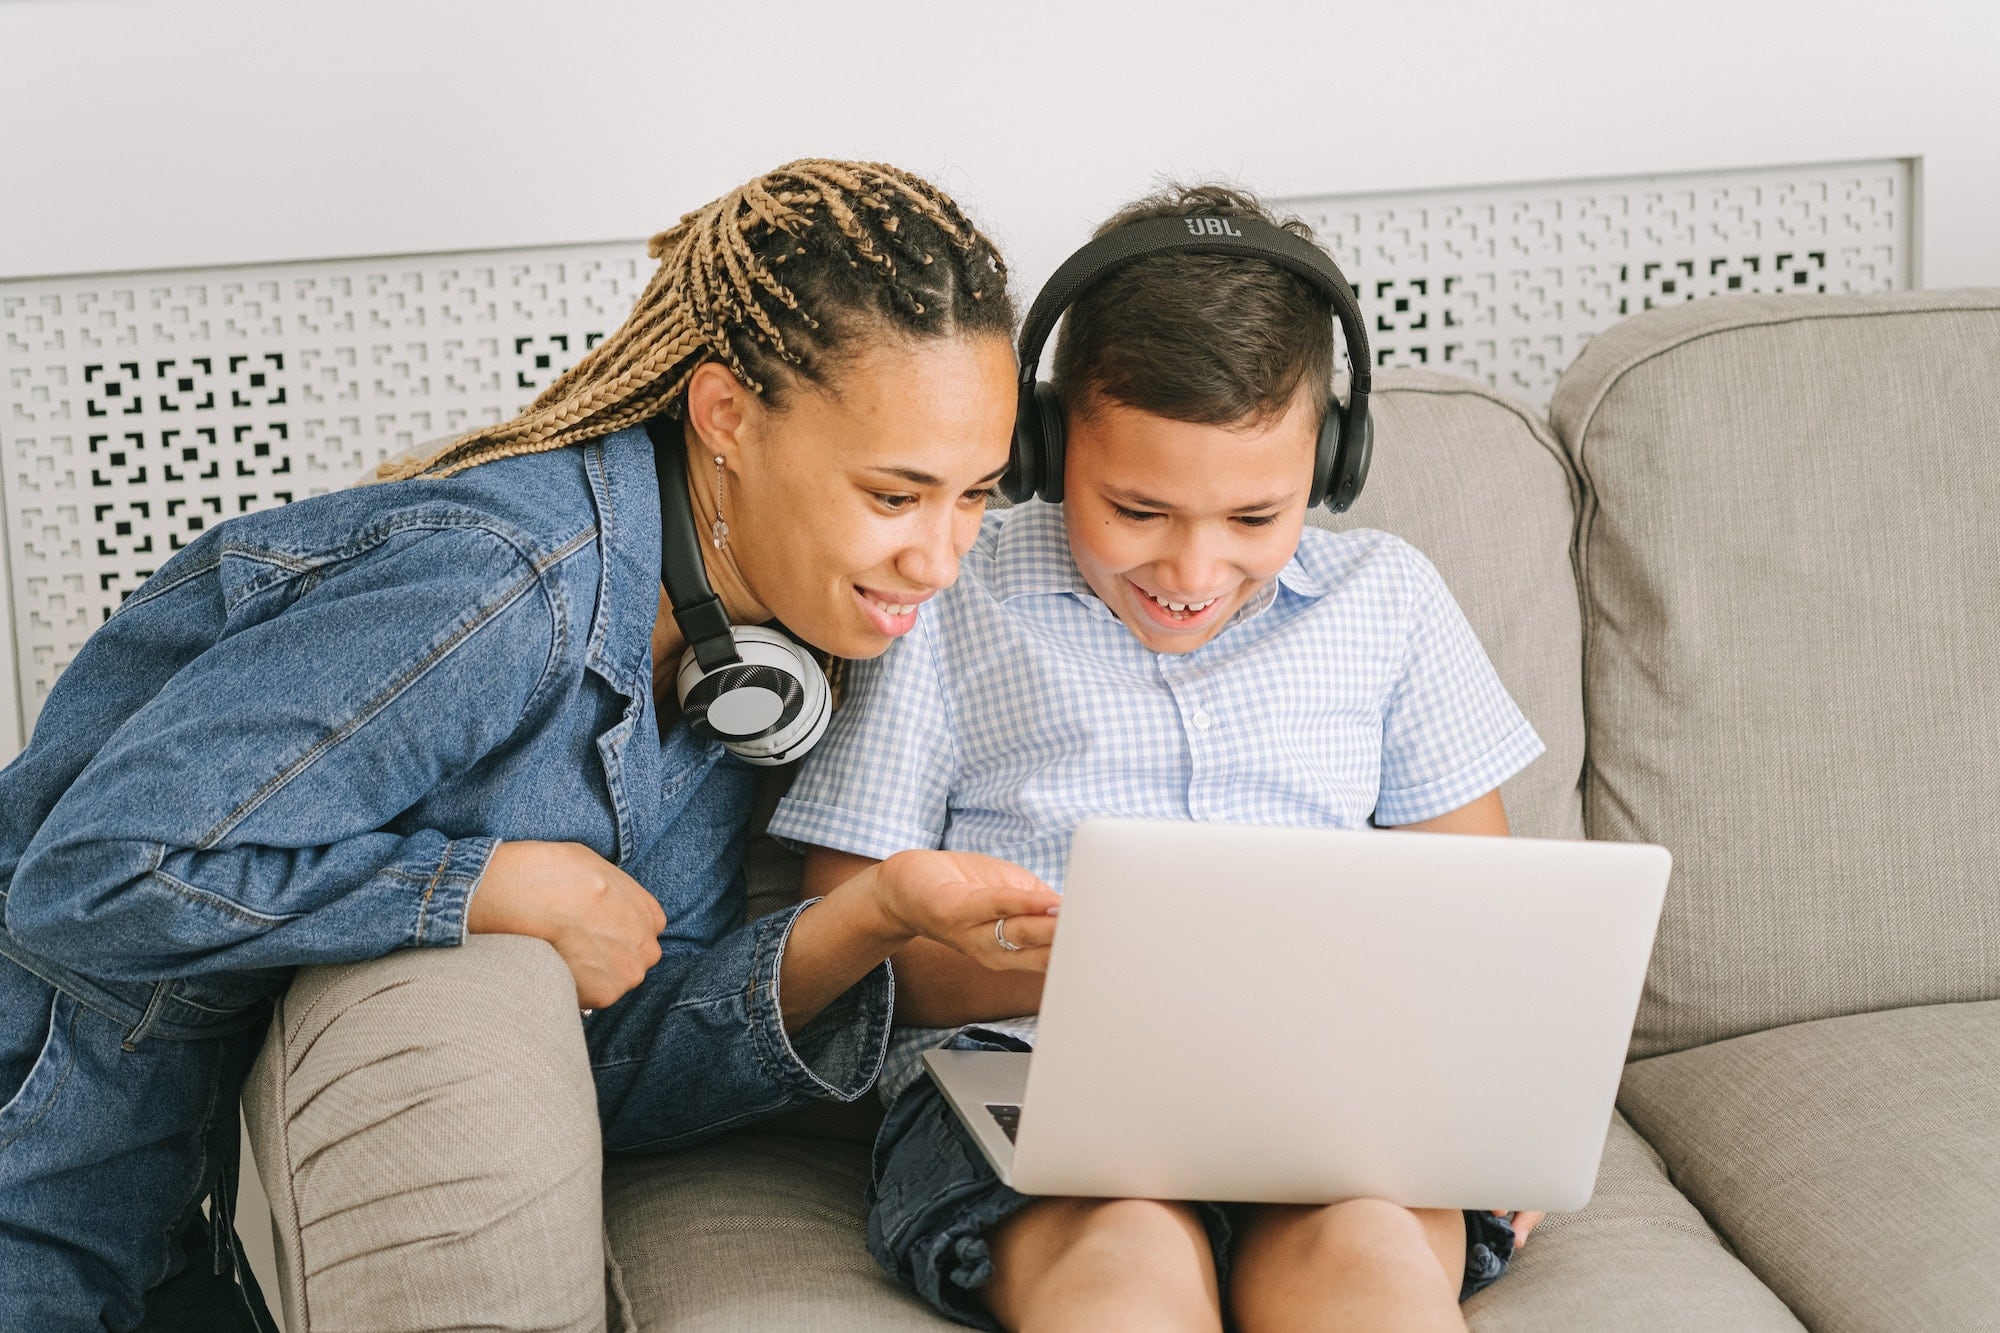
143	133
160	133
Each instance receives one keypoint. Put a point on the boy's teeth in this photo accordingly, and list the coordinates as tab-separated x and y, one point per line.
1185	606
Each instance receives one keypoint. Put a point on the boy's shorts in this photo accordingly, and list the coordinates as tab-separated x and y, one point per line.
933	1198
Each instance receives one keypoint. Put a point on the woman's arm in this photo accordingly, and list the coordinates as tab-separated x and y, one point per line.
940	985
241	816
794	1006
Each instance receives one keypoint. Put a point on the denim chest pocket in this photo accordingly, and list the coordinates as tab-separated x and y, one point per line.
675	782
257	584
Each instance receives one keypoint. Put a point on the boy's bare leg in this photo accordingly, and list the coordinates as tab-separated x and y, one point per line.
1103	1263
1360	1264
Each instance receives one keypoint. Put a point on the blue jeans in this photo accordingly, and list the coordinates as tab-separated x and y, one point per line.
108	1151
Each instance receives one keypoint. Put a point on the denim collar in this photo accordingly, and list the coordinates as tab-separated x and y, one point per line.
1032	556
626	490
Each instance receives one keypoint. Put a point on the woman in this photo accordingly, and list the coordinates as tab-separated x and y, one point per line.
445	706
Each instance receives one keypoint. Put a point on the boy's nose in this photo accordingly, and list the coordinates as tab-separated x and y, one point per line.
1192	570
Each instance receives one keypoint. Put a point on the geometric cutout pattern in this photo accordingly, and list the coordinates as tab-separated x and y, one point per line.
1507	284
140	409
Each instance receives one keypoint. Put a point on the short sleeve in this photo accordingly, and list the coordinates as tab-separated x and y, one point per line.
880	781
1450	731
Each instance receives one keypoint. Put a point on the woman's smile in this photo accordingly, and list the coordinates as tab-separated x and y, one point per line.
892	613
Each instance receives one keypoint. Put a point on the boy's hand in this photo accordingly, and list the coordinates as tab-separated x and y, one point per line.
601	921
1522	1223
956	898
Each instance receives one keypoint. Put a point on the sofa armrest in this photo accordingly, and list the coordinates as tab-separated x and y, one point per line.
425	1125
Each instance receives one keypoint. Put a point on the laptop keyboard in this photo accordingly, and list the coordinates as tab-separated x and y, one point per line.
1009	1118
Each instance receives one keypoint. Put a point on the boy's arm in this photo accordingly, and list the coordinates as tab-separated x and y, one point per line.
1483	815
937	986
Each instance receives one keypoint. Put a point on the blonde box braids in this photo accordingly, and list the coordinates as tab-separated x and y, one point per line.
769	280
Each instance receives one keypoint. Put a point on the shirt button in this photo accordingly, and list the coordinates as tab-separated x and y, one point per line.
1202	719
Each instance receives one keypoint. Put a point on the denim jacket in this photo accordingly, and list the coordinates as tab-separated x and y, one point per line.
301	740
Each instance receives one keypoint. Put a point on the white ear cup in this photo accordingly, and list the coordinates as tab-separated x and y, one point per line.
769	708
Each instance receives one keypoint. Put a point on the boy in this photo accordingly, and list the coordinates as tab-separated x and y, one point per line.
1167	642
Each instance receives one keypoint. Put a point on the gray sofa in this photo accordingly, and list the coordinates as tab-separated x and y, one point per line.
1745	581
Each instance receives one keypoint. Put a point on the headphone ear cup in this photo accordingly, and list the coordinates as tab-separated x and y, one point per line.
1023	475
791	739
1054	443
1326	455
1350	468
769	708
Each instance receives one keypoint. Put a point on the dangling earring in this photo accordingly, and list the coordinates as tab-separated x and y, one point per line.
719	528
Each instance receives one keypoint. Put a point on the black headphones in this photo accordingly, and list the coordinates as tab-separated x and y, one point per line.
1340	462
754	689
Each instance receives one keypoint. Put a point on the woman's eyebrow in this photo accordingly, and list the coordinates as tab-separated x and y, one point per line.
916	478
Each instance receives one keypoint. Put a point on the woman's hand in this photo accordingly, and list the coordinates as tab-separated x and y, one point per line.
601	921
956	898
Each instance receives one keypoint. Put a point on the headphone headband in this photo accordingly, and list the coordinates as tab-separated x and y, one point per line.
1207	234
697	610
752	688
1341	453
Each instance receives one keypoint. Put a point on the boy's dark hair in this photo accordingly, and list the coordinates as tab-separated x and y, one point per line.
1212	339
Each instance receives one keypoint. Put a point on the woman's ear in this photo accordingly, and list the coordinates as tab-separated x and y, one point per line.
718	405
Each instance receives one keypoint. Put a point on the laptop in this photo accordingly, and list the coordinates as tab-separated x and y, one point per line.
1283	1015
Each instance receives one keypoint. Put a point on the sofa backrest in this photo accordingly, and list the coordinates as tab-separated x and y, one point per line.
1474	480
1789	553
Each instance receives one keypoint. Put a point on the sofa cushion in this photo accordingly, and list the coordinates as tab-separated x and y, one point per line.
1473	479
1788	554
765	1231
1853	1162
1638	1258
749	1231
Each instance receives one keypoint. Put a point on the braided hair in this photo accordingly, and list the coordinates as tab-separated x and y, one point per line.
781	280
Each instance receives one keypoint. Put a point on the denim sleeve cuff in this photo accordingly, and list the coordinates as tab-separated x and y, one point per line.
838	1055
447	891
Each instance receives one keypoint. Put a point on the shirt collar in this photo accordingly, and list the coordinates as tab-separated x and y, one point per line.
626	491
1032	556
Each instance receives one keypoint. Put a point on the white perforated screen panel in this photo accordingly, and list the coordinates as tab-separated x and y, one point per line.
1506	284
141	408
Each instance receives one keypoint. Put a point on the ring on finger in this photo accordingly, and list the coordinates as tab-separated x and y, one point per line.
1000	936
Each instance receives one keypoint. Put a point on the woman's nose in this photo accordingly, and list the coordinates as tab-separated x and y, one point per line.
930	559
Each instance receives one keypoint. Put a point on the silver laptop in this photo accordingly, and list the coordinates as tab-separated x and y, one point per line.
1276	1015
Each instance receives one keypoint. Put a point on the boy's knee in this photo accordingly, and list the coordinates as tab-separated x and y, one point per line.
1138	1233
426	1126
1381	1240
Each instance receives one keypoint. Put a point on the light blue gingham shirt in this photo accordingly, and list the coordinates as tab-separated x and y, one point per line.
1349	688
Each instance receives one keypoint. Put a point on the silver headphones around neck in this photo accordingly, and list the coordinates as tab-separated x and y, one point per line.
755	689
